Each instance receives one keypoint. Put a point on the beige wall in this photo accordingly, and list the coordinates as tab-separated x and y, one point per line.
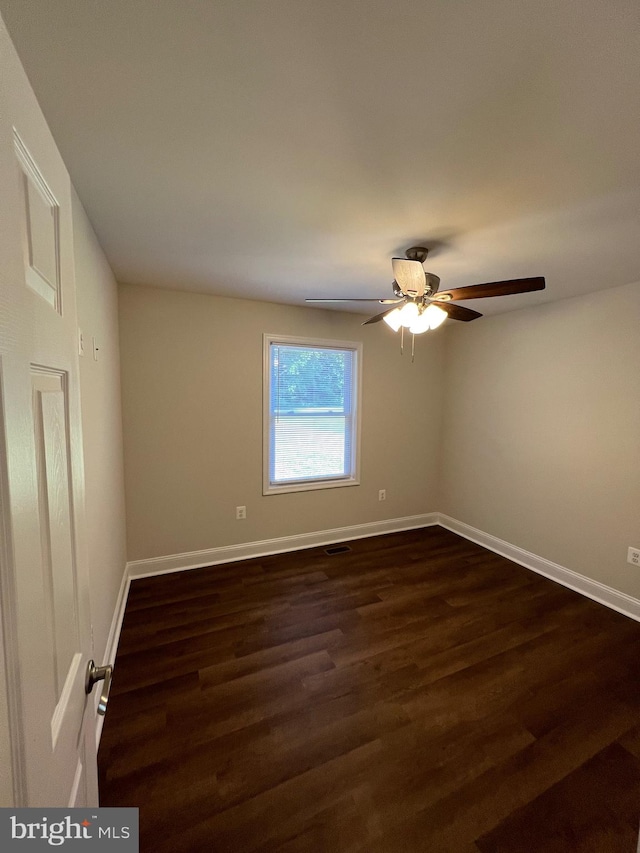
97	304
541	431
192	404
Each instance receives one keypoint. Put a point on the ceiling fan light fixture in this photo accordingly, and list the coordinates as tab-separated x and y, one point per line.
430	318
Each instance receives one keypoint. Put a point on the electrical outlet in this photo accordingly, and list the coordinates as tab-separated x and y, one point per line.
241	513
382	494
633	556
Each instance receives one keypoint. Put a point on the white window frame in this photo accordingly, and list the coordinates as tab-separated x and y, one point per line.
325	482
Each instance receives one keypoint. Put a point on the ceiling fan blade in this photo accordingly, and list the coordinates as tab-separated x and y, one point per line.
377	317
493	288
358	299
458	312
410	276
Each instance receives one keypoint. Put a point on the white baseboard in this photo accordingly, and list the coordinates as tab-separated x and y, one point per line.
266	547
595	590
112	640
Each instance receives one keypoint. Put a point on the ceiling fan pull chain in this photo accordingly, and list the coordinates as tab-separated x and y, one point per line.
413	347
401	340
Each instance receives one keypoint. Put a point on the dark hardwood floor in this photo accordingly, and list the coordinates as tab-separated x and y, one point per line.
417	693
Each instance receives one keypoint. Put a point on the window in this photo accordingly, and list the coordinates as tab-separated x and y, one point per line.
311	414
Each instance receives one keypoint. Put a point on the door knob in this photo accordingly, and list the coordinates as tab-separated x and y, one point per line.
95	674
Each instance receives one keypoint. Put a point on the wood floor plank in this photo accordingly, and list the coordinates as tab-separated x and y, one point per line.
631	741
414	693
504	789
592	810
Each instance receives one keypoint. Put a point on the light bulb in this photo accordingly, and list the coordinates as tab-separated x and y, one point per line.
420	324
430	318
393	319
408	314
437	316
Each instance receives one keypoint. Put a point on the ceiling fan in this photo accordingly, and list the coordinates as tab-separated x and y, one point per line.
418	303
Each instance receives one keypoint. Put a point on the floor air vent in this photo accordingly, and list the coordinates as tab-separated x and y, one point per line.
337	549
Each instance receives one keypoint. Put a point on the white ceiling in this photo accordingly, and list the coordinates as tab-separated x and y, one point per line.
284	149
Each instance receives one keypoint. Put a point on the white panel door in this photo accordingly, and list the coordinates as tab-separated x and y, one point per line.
45	607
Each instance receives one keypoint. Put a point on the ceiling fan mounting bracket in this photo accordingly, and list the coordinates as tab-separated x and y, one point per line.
417	253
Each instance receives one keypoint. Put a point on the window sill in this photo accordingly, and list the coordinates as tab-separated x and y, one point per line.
312	486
